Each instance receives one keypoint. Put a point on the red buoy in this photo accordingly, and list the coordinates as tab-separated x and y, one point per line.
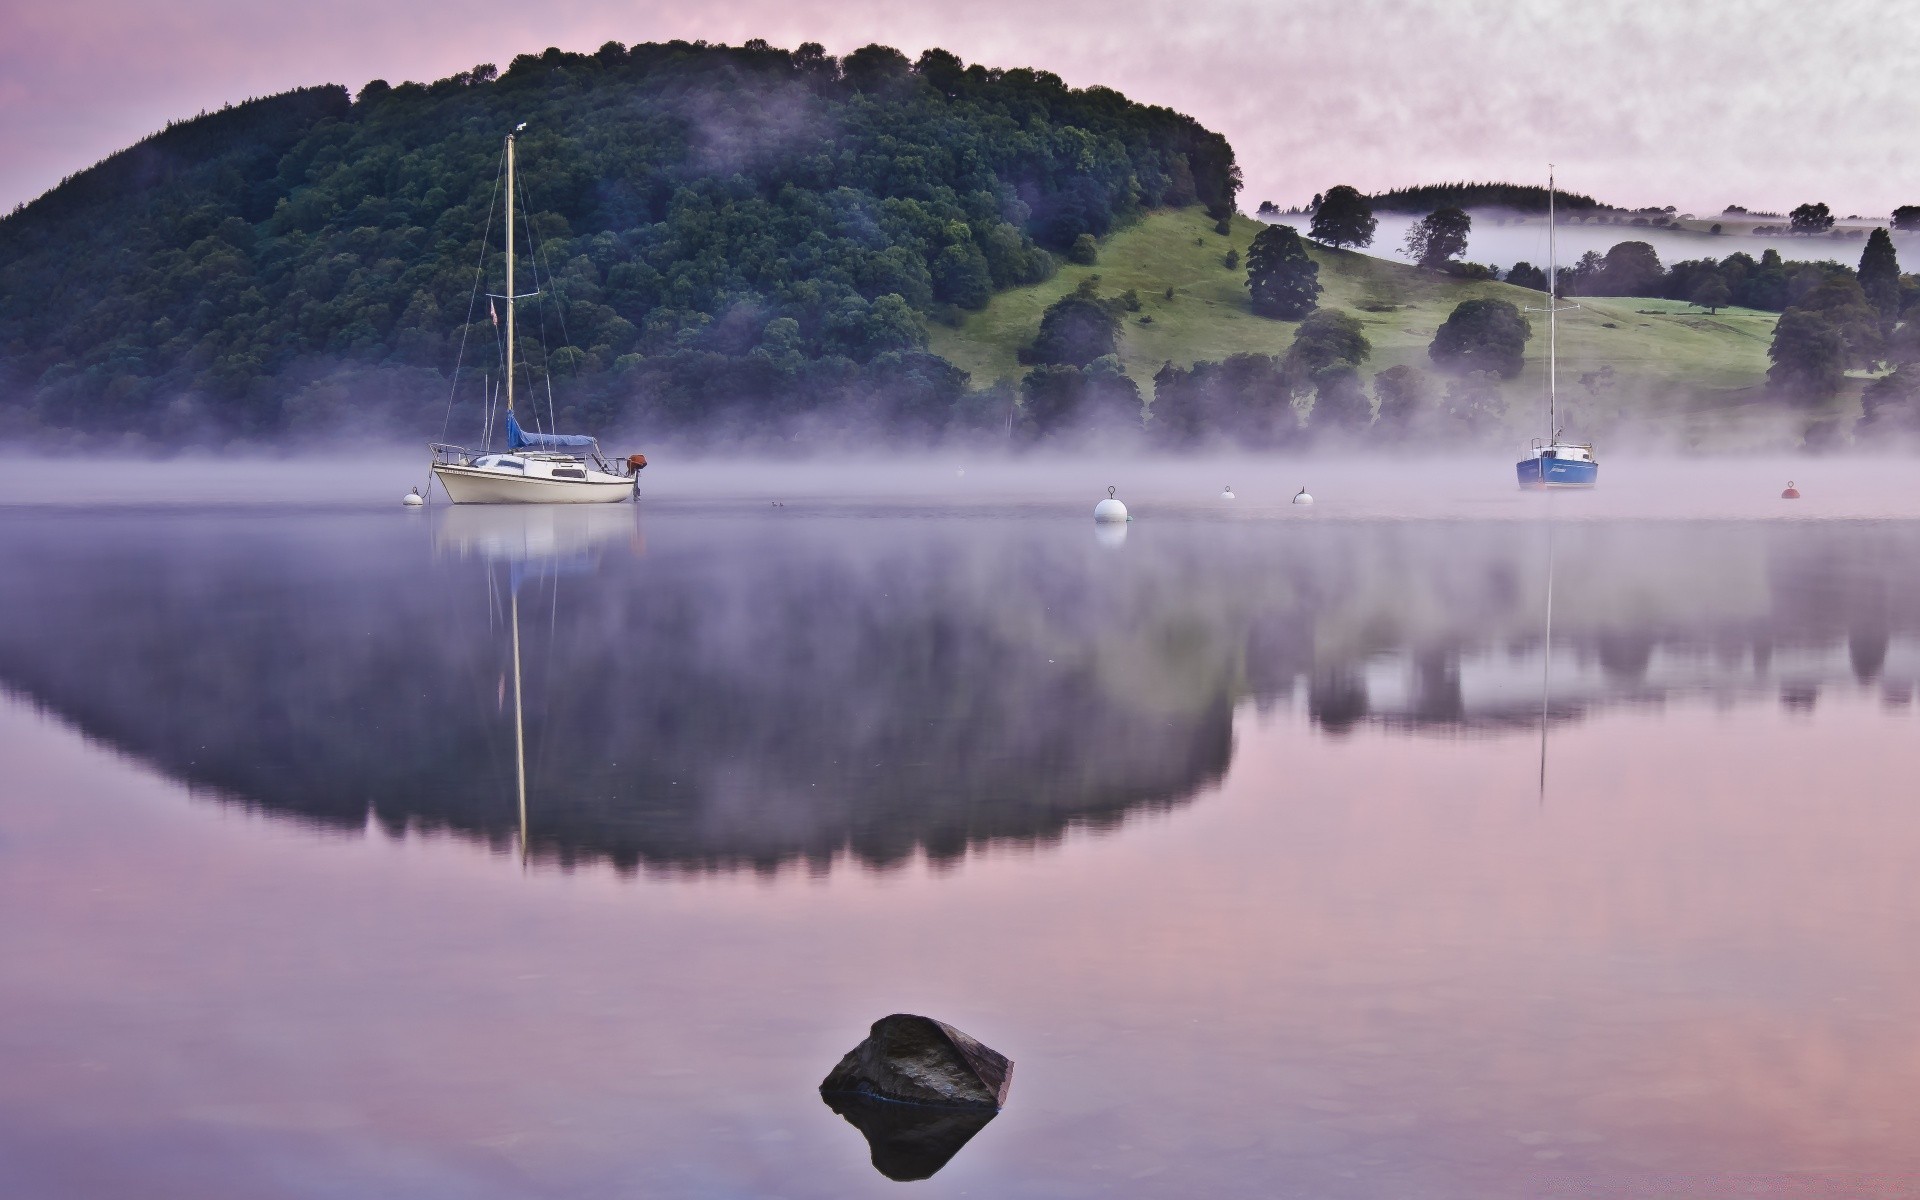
1792	492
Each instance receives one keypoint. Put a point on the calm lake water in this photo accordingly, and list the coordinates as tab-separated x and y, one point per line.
1279	847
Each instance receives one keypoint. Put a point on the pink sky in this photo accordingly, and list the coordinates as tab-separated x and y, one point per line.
1756	102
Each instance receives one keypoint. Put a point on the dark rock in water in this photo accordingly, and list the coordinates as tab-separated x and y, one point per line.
917	1060
909	1141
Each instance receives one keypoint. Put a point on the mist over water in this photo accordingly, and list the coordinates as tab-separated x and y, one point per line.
1272	842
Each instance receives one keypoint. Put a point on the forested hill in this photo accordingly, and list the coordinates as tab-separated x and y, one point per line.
725	234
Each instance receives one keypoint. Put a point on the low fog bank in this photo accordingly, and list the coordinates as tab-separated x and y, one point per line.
1040	486
1501	238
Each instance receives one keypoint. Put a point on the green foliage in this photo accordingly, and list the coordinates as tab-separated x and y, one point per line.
716	229
1247	399
1515	196
1439	237
1343	218
1526	275
1283	280
1906	218
1629	269
1340	401
1097	398
1712	294
1402	395
1892	402
1842	303
1075	330
1810	219
1481	336
1809	357
1880	275
1224	226
1325	338
1231	260
1084	251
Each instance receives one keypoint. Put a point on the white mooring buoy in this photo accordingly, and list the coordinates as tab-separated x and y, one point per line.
1110	510
1226	493
413	499
1301	497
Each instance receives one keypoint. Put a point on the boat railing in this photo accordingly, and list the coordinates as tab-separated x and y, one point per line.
446	454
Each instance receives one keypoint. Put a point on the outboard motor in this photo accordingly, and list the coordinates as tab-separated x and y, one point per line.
636	463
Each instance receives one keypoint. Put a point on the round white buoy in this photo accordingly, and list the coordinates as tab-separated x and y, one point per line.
413	499
1110	534
1226	493
1110	510
1301	497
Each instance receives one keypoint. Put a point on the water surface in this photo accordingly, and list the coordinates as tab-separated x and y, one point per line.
1281	849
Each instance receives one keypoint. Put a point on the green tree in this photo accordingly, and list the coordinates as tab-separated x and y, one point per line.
1712	294
1880	276
1344	218
1340	401
1285	282
1810	219
1840	300
1439	238
1630	269
1075	330
1906	218
1889	402
1481	336
1809	357
1084	251
1402	395
1327	337
1526	275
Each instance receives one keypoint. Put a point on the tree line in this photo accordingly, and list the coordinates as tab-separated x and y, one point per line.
718	233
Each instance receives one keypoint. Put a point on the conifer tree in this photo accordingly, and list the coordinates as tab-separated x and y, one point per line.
1880	276
1285	283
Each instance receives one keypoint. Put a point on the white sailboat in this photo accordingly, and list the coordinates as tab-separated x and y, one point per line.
536	468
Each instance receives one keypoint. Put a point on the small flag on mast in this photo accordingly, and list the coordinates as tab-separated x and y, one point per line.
493	308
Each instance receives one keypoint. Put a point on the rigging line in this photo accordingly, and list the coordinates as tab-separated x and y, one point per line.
541	261
479	277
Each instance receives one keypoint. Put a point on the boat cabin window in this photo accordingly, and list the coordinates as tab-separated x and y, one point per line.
1549	454
496	460
569	473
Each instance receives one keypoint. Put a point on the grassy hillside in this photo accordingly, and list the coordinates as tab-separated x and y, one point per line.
1666	358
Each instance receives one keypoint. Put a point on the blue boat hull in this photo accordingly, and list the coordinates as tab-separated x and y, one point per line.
1539	474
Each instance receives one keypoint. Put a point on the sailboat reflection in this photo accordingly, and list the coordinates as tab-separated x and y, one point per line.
535	544
909	1141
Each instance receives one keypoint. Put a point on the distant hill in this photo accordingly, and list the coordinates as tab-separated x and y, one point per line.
1647	363
1519	197
728	234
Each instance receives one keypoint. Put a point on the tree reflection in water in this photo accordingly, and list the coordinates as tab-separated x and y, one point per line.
734	693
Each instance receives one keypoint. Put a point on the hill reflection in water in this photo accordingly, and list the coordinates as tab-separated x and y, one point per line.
728	689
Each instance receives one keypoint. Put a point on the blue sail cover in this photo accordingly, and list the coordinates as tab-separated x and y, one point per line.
520	439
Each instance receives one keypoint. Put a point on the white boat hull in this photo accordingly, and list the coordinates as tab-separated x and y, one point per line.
481	485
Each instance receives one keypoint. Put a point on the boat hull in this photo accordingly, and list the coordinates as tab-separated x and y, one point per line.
1553	474
477	485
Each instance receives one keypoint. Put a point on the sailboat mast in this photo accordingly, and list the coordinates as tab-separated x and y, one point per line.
1553	299
510	292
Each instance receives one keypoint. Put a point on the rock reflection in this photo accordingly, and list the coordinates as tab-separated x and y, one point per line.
724	694
909	1141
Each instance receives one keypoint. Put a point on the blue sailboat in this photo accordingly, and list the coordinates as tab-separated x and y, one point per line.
1552	461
